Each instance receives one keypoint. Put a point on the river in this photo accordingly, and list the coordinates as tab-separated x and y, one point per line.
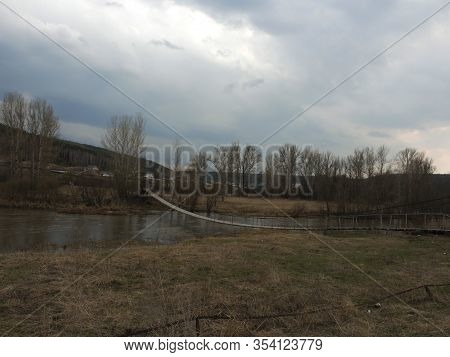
36	230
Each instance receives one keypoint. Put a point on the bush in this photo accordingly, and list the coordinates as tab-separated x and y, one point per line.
21	189
95	196
47	189
15	189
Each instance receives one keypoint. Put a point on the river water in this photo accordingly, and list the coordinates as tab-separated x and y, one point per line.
34	229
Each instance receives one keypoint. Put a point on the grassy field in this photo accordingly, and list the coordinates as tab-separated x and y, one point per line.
259	206
256	273
68	199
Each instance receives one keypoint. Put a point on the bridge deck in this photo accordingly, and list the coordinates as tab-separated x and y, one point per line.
433	223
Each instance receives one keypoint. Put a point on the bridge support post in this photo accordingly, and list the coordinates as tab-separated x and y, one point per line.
197	326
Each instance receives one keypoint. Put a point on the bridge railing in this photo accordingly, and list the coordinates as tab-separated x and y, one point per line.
381	221
415	221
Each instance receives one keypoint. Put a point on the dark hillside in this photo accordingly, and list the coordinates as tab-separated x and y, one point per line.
69	153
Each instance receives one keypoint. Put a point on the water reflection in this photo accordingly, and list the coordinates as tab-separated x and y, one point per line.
25	230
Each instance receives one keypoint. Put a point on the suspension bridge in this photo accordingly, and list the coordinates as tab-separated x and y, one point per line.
438	223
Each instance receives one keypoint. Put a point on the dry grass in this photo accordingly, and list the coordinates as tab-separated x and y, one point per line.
256	273
114	208
259	206
69	200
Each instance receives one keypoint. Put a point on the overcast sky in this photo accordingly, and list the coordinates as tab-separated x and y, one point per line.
224	70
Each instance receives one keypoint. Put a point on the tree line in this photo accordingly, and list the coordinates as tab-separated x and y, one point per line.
368	177
31	127
125	137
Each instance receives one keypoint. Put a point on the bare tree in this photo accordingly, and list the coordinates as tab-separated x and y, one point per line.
233	167
270	173
198	167
125	136
249	161
13	115
354	168
43	126
211	202
220	160
288	164
415	168
199	162
329	168
357	164
382	160
176	172
306	166
370	161
306	162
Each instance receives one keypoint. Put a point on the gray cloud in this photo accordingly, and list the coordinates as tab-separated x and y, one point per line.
165	43
290	51
229	88
232	87
224	53
252	83
379	134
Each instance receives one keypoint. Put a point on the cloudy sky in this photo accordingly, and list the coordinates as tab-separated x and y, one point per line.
224	70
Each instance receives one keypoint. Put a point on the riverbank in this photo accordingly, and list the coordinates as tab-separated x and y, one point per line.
257	273
248	206
130	208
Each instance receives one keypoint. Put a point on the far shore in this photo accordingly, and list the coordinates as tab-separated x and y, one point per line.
243	206
118	209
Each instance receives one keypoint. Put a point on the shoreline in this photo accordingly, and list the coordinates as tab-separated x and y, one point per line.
113	210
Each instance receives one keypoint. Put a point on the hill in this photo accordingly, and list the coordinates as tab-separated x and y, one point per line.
70	153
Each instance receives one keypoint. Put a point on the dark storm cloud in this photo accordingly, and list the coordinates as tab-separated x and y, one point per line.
285	17
251	65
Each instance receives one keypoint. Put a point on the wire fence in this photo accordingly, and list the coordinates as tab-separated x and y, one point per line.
222	316
431	222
